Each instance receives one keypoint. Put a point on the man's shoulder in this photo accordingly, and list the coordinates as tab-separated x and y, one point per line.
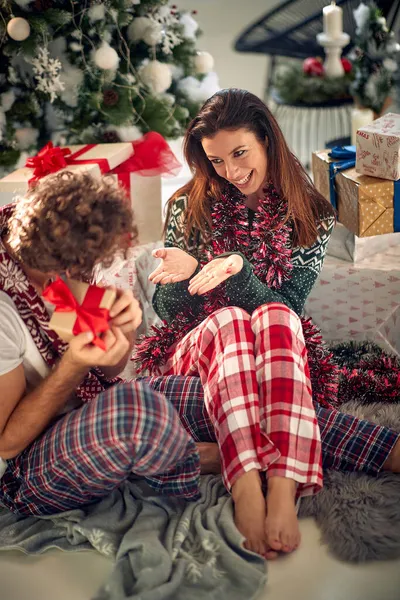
10	319
6	304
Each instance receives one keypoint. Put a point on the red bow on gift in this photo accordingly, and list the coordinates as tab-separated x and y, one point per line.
152	156
89	316
49	159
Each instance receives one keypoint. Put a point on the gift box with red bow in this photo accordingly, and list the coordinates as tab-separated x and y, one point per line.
137	166
79	307
141	177
97	159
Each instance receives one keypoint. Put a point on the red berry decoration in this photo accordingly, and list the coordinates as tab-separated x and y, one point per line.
347	66
313	66
194	12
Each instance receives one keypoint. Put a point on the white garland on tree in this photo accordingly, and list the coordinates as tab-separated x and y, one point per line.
190	26
156	28
71	76
361	15
168	20
47	74
199	91
128	133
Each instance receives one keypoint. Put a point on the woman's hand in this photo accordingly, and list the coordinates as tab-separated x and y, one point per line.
176	265
214	273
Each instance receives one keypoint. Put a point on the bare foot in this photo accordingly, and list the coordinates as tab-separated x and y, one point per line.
210	461
281	524
393	461
250	511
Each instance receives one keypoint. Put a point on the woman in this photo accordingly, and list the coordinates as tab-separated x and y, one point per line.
245	242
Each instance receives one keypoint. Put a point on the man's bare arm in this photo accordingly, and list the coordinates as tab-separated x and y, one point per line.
25	416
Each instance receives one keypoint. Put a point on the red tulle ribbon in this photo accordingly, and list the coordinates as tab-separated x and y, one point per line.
89	315
152	156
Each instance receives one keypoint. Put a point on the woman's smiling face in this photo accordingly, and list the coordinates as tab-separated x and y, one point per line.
239	157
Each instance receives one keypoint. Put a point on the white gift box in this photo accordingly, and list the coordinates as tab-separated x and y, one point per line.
17	183
347	246
359	302
378	148
146	202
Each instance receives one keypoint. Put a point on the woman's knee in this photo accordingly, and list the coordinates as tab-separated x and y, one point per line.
276	313
230	314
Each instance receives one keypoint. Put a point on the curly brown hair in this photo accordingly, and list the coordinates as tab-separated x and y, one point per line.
72	222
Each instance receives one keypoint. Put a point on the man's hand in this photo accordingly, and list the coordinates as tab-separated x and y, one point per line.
214	273
82	354
176	265
125	313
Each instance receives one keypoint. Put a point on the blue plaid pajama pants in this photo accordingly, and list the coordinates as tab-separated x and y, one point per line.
146	428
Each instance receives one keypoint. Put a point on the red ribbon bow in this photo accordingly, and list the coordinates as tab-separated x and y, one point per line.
49	159
89	316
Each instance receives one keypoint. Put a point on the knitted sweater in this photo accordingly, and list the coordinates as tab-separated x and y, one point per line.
244	289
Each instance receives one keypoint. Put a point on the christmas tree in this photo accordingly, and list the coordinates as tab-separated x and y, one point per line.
376	56
92	71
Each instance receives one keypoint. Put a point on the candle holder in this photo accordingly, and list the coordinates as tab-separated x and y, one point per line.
333	51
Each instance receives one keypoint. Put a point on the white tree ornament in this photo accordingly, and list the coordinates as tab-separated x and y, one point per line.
106	57
153	34
156	76
138	27
18	29
204	62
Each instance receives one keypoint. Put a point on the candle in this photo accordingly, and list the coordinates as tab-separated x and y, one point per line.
359	118
333	20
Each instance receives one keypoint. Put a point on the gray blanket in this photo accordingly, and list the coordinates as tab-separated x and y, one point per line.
163	548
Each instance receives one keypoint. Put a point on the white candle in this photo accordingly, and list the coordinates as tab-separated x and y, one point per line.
333	20
359	118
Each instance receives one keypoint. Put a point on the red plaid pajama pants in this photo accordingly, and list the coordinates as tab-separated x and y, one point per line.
257	392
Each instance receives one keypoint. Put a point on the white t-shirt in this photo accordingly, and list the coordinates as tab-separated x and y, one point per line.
18	348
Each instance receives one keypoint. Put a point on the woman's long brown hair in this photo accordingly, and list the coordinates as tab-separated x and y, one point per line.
234	109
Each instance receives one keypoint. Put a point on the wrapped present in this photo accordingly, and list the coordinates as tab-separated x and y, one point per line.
79	307
95	158
141	176
347	246
359	302
378	148
366	206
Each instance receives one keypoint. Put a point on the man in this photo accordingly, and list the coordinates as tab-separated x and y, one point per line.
70	432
